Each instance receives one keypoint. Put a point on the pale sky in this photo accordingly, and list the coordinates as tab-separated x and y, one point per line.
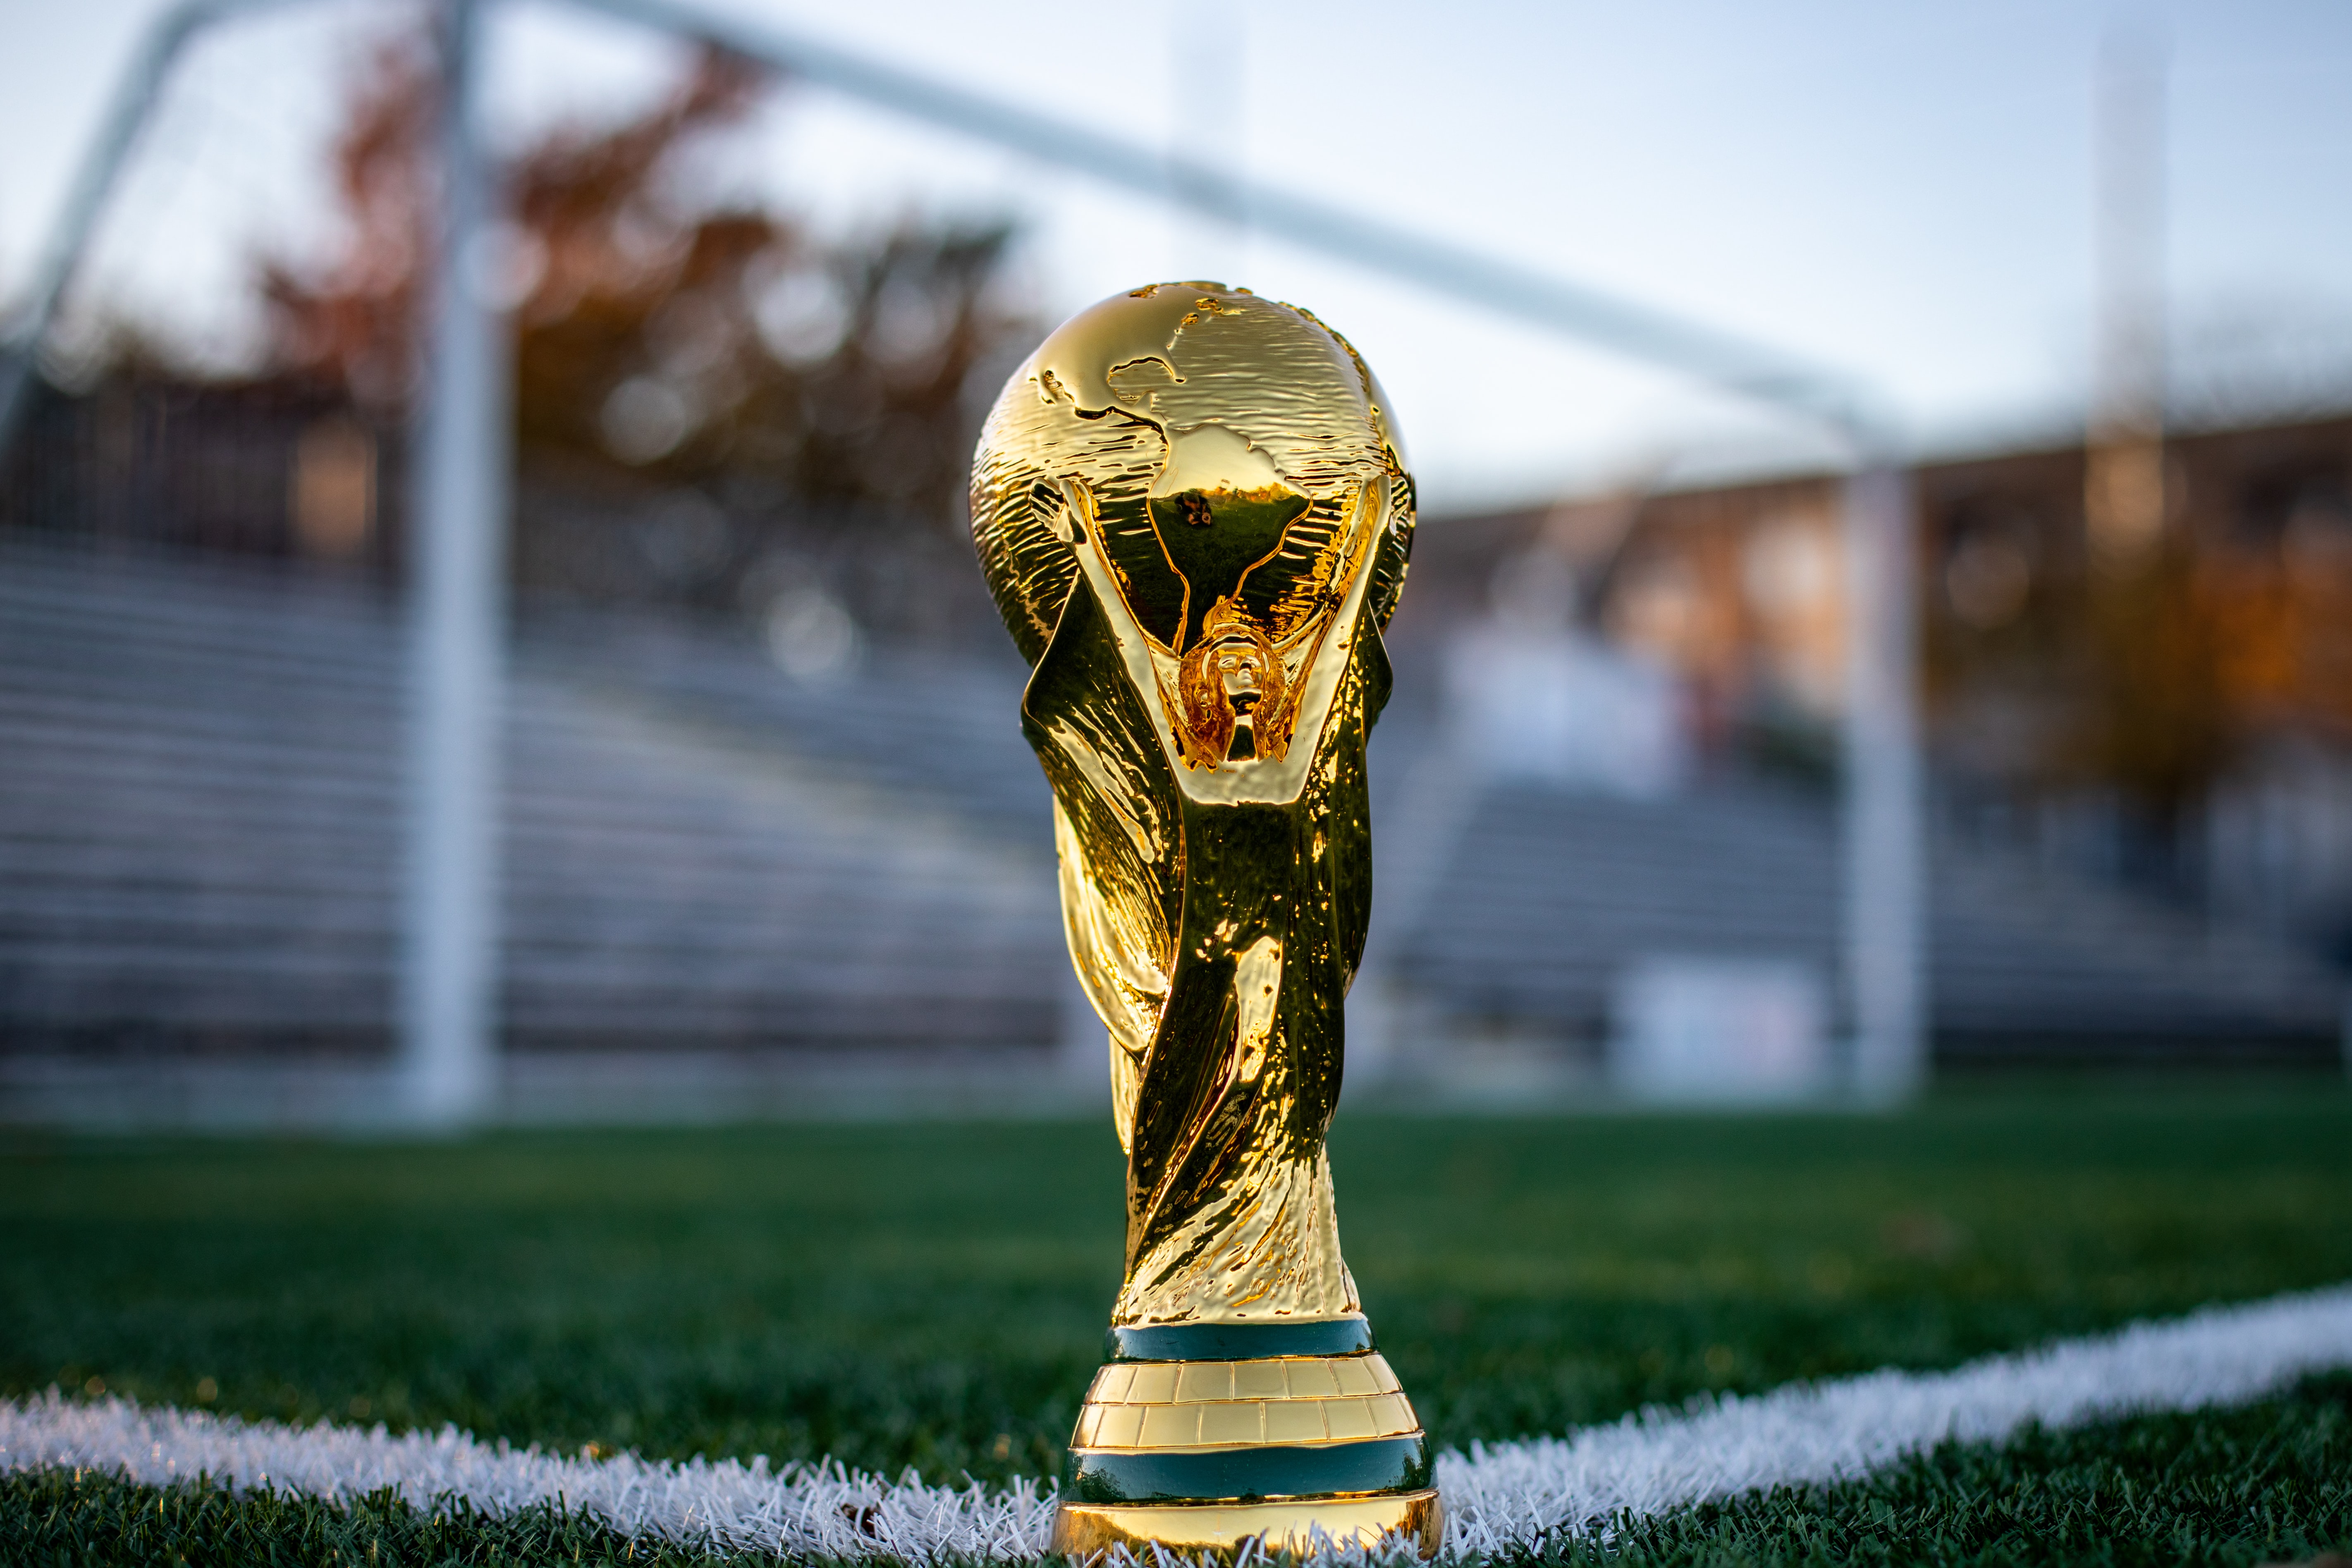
1900	189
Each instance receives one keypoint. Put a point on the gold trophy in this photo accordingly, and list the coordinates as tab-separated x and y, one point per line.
1192	507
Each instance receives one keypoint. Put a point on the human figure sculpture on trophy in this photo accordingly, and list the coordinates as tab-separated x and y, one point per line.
1192	507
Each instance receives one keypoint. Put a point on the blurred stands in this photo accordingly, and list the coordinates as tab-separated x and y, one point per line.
2178	725
755	884
731	894
1551	898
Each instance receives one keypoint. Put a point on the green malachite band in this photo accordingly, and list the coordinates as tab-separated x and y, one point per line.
1239	1341
1221	1474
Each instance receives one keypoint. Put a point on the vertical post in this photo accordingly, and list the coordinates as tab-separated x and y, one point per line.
2123	487
1208	54
1885	913
457	587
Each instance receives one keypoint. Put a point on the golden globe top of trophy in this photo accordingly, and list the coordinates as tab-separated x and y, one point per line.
1192	507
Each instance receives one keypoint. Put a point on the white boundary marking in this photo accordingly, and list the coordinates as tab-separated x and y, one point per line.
1513	1494
1499	1496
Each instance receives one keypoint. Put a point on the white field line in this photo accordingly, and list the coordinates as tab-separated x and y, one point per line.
1503	1495
1514	1494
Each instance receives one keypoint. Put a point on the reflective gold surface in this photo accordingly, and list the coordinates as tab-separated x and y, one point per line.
1088	1529
1194	513
1212	1404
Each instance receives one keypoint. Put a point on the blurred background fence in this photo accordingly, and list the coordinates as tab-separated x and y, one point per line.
774	844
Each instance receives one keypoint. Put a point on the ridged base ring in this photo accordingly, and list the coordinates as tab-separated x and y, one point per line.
1087	1530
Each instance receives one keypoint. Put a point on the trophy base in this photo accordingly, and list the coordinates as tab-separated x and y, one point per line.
1217	1438
1084	1531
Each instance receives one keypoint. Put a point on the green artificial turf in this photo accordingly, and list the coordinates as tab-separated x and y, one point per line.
934	1294
2272	1483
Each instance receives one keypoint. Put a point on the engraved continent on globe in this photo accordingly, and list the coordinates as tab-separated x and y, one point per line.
1174	405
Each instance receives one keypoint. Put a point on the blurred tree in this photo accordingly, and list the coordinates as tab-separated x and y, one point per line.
712	403
2109	680
2154	719
2151	679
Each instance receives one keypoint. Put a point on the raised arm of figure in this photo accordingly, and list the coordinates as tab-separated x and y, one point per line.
1327	640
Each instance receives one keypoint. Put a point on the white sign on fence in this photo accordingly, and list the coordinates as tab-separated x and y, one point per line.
1699	1030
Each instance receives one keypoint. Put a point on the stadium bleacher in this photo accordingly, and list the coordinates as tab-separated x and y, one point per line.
722	886
199	835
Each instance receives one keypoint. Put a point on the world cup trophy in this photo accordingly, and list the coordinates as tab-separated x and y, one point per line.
1194	509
